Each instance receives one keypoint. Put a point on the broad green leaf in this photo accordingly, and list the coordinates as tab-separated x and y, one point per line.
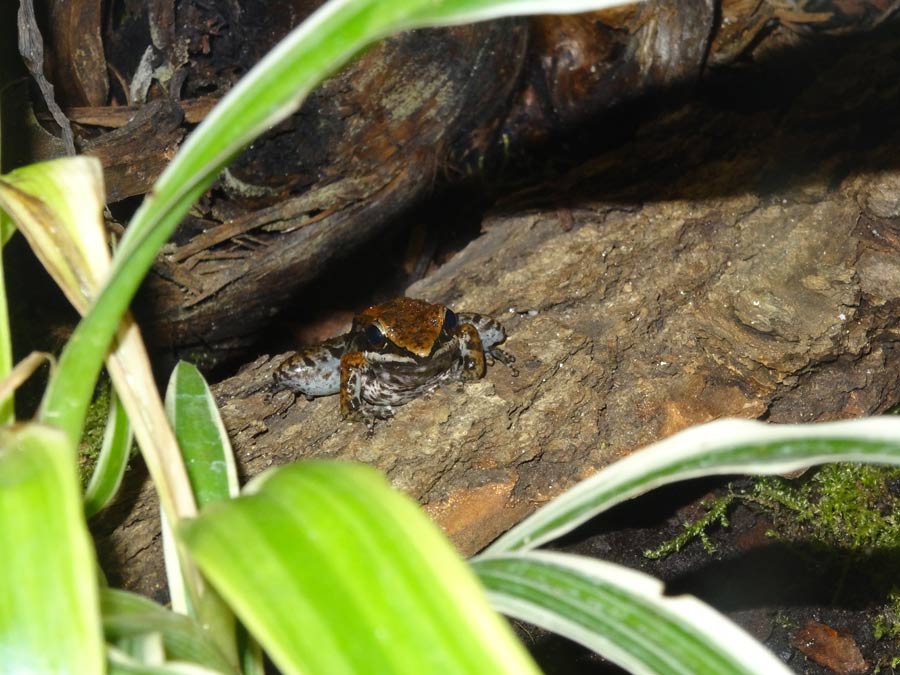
728	446
112	461
127	616
201	436
622	615
49	614
334	572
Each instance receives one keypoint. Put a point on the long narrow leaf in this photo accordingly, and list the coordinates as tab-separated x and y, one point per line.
112	461
201	436
49	614
334	572
721	447
7	405
14	378
209	460
128	616
120	663
623	615
57	206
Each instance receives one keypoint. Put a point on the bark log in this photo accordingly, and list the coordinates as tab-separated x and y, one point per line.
726	262
414	111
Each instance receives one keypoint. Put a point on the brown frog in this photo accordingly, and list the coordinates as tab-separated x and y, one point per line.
393	353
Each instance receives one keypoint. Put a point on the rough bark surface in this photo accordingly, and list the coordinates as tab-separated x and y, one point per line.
411	113
725	263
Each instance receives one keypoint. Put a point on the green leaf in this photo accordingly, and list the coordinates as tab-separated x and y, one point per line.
622	615
721	447
49	614
57	206
7	407
201	436
209	460
127	616
455	12
121	663
334	572
112	461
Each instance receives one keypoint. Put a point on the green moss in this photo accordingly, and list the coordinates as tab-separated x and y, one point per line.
847	506
95	425
716	513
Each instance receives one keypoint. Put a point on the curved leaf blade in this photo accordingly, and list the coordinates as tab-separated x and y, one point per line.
623	615
334	572
49	613
127	616
729	446
112	461
201	436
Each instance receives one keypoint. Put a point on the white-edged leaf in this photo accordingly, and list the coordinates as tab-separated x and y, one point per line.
112	460
728	446
209	461
334	572
49	613
201	436
129	617
122	663
622	615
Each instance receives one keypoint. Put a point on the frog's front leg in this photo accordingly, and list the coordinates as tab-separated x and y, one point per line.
492	334
356	372
315	371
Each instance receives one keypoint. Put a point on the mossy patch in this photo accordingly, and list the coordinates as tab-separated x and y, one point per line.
94	428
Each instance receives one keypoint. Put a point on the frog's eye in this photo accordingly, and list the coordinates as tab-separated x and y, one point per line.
375	336
450	319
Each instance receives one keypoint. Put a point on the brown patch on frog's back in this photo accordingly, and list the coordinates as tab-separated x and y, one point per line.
411	324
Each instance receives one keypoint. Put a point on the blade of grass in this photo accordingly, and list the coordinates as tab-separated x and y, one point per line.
623	615
49	613
334	572
722	447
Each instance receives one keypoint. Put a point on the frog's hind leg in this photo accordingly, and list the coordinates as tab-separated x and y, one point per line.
354	369
315	371
491	334
472	352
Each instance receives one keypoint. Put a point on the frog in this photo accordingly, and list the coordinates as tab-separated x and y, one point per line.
393	353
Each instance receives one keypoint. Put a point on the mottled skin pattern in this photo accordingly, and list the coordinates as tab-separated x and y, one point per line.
394	353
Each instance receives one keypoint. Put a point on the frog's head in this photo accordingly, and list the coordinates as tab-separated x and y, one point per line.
411	325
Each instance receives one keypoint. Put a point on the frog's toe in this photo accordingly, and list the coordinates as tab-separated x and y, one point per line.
504	357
